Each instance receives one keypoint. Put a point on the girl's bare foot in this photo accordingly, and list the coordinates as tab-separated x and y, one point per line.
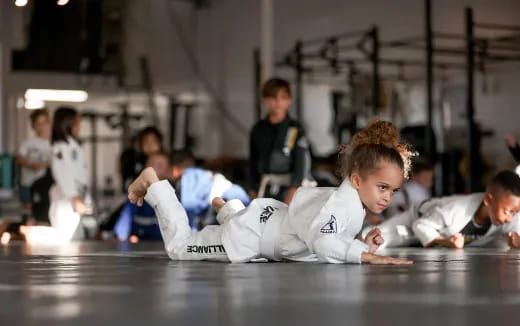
6	237
217	203
138	188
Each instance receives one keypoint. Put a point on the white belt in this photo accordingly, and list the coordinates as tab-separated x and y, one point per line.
144	220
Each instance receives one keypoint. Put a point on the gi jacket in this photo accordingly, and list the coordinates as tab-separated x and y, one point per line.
69	170
449	215
324	222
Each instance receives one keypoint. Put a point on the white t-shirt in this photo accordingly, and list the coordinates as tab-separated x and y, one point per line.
34	150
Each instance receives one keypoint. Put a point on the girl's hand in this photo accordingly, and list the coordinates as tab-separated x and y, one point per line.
374	259
374	239
79	206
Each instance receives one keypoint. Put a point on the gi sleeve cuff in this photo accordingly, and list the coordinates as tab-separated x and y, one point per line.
158	192
354	252
231	207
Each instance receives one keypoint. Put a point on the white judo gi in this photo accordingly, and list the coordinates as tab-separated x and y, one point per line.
441	217
238	238
320	225
70	174
324	222
411	194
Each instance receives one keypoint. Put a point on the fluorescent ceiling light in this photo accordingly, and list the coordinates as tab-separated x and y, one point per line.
56	95
62	2
20	3
186	98
34	104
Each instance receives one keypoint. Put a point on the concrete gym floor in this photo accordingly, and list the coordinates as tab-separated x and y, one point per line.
121	284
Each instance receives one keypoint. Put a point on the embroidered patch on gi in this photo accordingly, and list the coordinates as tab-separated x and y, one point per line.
74	155
266	213
59	156
331	226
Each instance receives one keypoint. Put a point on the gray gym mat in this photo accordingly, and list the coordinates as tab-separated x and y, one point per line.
122	284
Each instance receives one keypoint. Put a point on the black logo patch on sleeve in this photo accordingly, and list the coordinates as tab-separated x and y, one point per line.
331	226
266	213
59	156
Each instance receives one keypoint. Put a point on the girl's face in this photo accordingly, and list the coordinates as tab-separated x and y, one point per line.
377	188
150	144
76	126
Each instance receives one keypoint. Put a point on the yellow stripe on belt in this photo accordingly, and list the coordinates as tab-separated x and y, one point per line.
292	133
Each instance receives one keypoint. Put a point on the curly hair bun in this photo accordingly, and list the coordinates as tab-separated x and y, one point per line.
368	146
378	132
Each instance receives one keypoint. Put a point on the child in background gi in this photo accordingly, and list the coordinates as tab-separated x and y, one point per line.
149	142
414	191
321	224
69	193
139	222
475	220
196	187
277	144
133	161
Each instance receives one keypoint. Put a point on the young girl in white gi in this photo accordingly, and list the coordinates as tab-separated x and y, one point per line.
320	224
69	192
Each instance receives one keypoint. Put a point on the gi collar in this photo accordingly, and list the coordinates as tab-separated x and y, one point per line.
347	191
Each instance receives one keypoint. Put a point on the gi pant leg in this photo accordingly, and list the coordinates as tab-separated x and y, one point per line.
180	242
